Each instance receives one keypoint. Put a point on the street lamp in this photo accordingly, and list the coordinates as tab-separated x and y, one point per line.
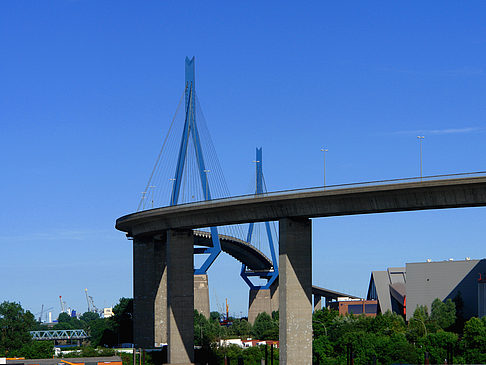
420	138
256	176
325	328
423	324
152	187
207	192
323	149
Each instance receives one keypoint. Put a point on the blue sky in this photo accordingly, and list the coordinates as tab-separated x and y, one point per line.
88	88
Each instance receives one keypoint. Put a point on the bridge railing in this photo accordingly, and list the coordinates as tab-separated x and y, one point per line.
59	335
350	185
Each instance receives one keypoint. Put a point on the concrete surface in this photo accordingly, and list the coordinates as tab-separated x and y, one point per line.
180	296
295	265
436	194
201	294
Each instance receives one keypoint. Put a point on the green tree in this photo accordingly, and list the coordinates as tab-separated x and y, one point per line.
36	350
87	317
123	320
474	341
102	332
265	327
443	314
417	325
15	324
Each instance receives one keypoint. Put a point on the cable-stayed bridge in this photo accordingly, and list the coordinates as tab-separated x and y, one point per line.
164	237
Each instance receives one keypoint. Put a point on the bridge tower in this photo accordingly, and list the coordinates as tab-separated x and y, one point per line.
262	298
201	290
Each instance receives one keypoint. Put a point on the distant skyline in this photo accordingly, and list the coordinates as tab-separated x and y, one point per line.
88	90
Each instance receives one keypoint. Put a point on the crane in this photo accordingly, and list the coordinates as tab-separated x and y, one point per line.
90	301
63	304
42	312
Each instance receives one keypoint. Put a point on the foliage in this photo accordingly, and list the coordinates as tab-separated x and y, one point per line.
15	324
122	321
265	328
443	314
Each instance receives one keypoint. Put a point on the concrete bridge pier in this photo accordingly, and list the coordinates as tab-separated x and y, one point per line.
149	292
201	294
295	277
263	300
180	296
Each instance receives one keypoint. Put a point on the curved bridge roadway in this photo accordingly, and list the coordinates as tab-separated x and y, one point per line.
293	210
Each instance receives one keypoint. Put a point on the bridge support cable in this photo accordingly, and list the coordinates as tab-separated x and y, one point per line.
144	200
272	275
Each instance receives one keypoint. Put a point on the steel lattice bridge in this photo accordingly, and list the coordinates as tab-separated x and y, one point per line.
59	335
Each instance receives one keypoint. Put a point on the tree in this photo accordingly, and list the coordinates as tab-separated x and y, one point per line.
15	324
443	314
265	327
475	341
36	350
123	320
87	317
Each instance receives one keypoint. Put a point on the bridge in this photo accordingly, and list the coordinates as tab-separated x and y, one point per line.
59	335
293	209
164	237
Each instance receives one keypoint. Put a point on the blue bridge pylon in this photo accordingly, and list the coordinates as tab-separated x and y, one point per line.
191	131
271	276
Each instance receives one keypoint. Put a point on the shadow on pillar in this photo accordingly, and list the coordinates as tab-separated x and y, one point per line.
263	300
149	293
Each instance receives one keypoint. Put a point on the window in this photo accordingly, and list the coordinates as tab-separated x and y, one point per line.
355	308
371	308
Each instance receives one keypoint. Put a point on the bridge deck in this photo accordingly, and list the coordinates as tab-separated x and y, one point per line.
311	203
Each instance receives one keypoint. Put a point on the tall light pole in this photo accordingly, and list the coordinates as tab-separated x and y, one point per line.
152	187
324	150
206	172
256	176
420	138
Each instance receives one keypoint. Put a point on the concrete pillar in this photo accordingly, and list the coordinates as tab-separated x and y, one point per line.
263	300
260	300
317	303
201	294
160	255
180	296
295	265
149	293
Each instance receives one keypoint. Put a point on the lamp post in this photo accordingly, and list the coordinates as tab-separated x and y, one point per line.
420	138
152	187
206	192
256	177
143	199
421	321
324	150
325	328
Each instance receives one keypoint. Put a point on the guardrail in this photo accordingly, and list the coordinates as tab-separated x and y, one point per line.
59	335
341	186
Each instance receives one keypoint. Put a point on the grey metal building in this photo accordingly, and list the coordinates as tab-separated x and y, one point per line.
421	283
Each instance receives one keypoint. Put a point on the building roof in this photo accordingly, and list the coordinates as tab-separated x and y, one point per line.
328	293
387	284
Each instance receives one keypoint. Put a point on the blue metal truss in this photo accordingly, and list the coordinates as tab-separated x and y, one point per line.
59	335
190	129
269	275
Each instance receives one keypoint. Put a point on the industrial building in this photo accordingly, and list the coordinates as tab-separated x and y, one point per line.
402	289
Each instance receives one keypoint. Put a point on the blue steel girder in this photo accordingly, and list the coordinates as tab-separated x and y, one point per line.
271	276
190	129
